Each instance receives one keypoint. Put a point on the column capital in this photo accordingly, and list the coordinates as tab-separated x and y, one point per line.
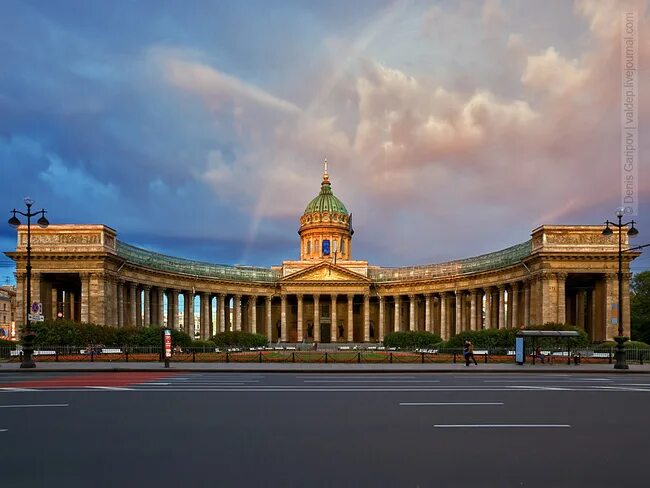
268	298
473	292
501	287
300	296
611	276
487	290
514	285
146	287
561	275
411	296
316	298
351	296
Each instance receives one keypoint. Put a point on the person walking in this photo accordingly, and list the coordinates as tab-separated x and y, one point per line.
468	353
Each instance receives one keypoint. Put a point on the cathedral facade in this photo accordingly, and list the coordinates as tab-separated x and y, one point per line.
562	274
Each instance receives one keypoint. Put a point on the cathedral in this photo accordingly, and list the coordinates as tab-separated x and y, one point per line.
562	274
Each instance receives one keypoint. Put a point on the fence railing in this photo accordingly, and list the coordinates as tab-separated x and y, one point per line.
295	354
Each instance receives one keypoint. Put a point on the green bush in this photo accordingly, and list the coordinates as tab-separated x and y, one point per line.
239	338
486	338
68	333
505	338
6	343
607	345
411	339
202	344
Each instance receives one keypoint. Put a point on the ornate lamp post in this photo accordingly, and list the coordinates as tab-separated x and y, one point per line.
632	231
28	336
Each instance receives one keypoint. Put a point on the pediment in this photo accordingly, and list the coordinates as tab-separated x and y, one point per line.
325	272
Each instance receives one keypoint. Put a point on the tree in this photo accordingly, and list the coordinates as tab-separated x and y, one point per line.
640	306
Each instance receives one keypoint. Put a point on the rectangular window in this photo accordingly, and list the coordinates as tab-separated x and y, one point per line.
326	247
325	310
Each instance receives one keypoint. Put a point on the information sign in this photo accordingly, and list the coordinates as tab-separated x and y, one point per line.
168	343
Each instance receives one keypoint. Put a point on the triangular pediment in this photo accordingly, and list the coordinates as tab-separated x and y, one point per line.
325	272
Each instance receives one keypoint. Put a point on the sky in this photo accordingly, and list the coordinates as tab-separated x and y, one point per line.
198	129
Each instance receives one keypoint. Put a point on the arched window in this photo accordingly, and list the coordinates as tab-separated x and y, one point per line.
342	246
308	247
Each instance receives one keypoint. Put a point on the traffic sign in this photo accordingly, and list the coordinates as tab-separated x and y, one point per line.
36	317
37	308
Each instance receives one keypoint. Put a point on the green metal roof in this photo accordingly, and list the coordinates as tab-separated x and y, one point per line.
162	262
326	201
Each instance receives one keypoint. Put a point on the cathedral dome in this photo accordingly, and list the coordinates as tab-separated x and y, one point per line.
325	201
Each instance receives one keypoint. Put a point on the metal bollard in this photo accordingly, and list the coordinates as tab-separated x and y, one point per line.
325	357
126	354
193	355
485	358
454	358
422	357
391	357
56	355
358	357
293	357
227	357
92	356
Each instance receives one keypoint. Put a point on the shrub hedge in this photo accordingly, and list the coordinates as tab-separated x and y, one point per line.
411	339
505	338
68	333
239	338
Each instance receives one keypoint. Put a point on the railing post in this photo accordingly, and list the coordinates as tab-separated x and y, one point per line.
610	355
92	355
227	356
391	357
56	355
454	357
422	357
193	355
325	357
126	354
293	357
260	356
485	358
358	357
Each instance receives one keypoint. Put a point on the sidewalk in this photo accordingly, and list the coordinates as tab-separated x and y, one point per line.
87	367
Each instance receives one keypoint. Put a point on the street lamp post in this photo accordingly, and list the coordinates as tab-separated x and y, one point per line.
28	336
632	231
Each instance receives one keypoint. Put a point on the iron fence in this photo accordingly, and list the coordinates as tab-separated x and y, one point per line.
345	354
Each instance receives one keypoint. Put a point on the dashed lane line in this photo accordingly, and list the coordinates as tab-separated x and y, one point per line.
506	426
36	406
441	404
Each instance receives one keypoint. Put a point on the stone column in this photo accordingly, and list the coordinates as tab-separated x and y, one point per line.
221	304
561	297
120	303
188	313
472	309
138	307
334	326
459	311
526	303
316	318
133	309
382	331
626	303
428	322
160	303
300	321
607	326
488	308
350	319
366	318
269	324
204	318
253	307
174	302
21	298
237	311
85	296
398	326
513	298
411	313
444	323
502	306
283	318
147	305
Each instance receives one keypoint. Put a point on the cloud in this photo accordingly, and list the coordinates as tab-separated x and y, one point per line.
215	87
552	73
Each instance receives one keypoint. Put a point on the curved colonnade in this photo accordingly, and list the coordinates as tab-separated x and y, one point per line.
563	274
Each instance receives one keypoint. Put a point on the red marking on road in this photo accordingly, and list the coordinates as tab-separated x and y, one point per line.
95	379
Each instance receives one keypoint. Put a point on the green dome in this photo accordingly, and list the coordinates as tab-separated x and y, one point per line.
326	201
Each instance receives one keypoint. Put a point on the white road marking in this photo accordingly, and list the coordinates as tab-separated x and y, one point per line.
16	389
496	426
520	380
371	381
367	376
109	388
35	406
414	404
152	384
4	430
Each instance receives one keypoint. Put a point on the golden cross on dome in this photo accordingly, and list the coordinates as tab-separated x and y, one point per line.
326	175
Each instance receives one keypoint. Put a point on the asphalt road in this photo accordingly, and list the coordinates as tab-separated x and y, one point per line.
238	429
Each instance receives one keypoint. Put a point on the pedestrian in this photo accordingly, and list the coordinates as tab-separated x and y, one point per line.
538	354
468	353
